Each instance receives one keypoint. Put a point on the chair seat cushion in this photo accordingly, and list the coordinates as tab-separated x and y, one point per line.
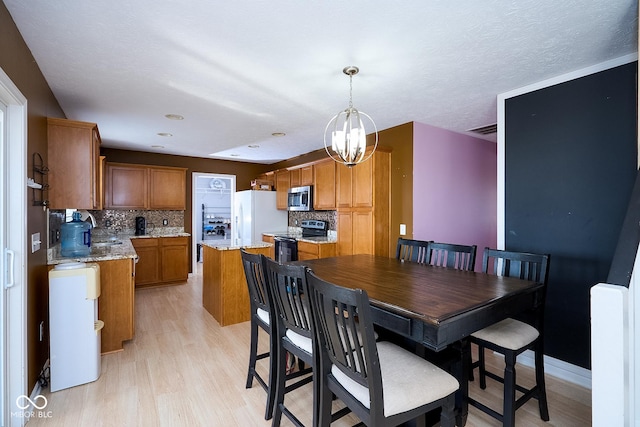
263	315
300	341
408	380
509	333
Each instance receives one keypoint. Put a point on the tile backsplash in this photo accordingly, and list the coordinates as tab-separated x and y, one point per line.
295	217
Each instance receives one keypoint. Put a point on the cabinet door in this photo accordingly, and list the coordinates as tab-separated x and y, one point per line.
343	186
294	178
362	179
74	164
148	266
127	186
174	262
324	197
116	304
306	175
362	232
344	231
167	188
283	183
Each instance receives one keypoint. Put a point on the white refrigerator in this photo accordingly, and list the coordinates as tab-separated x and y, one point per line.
256	213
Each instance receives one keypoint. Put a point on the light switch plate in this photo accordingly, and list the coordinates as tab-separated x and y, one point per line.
403	229
35	242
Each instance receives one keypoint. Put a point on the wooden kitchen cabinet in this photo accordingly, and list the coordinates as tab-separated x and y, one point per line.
130	186
324	185
174	254
147	268
272	248
364	206
116	303
74	165
283	182
306	175
294	178
307	250
161	260
126	186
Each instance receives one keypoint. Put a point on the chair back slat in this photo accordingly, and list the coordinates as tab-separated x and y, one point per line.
461	257
256	280
287	286
412	250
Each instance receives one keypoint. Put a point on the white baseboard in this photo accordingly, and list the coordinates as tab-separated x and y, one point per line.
560	369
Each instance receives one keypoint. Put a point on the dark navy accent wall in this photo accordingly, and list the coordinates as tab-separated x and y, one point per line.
570	166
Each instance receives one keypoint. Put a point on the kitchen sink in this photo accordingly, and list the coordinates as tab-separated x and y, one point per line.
106	244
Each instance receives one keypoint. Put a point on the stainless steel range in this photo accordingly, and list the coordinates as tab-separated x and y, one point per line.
311	228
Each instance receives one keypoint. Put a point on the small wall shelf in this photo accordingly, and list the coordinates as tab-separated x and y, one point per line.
38	183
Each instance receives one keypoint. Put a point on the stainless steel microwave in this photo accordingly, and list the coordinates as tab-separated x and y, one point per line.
300	198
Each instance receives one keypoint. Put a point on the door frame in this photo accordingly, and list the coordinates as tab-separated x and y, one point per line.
13	156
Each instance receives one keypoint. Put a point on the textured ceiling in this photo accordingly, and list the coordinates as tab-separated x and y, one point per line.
240	70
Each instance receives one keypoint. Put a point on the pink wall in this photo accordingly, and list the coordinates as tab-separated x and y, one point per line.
454	188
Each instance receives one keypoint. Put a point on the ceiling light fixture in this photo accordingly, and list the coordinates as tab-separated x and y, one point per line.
253	146
278	134
345	137
167	134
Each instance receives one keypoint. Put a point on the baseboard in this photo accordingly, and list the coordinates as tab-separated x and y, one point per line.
560	369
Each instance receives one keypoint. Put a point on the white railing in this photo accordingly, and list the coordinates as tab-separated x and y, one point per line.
615	352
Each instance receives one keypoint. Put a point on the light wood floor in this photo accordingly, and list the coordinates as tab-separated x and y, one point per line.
183	369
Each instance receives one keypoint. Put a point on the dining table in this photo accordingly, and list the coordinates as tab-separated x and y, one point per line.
436	307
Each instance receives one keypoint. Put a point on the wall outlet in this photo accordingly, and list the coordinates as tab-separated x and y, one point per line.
403	229
165	222
35	242
107	223
42	330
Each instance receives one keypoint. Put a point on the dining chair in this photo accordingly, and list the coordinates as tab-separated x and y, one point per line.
260	318
383	384
292	322
461	257
412	250
510	337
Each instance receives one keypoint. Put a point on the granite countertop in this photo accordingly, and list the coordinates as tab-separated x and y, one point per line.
227	245
105	248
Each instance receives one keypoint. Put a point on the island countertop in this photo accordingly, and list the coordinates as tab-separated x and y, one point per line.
228	245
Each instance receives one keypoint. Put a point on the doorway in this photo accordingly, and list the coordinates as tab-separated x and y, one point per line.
13	247
212	211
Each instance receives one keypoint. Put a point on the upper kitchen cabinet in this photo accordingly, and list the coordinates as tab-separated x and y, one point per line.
130	186
283	182
324	193
301	176
75	174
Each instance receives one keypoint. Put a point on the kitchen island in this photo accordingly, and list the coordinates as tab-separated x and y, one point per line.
224	288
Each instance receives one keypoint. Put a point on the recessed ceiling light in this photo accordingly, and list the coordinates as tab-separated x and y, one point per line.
165	134
253	146
278	134
234	155
157	146
174	117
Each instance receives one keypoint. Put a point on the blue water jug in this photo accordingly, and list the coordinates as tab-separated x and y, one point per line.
75	237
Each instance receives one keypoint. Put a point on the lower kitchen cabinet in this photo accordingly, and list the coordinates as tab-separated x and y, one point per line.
116	303
161	260
308	250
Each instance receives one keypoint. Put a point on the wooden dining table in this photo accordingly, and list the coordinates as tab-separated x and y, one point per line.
436	307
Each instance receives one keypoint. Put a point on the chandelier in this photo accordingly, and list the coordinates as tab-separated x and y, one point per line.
345	137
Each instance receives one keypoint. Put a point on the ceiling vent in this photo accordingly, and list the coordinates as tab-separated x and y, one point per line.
486	130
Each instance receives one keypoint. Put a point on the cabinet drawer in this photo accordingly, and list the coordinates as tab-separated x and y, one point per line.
175	241
144	242
309	248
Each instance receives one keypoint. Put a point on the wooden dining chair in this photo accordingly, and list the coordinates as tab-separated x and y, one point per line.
461	257
412	250
383	384
292	323
260	318
510	337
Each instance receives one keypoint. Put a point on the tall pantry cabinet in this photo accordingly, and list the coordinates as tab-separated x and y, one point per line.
363	199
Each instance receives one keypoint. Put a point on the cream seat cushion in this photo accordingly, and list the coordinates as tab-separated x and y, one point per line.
408	381
263	315
509	333
300	341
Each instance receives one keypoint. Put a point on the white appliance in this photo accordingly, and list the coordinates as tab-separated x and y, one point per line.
74	328
256	213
